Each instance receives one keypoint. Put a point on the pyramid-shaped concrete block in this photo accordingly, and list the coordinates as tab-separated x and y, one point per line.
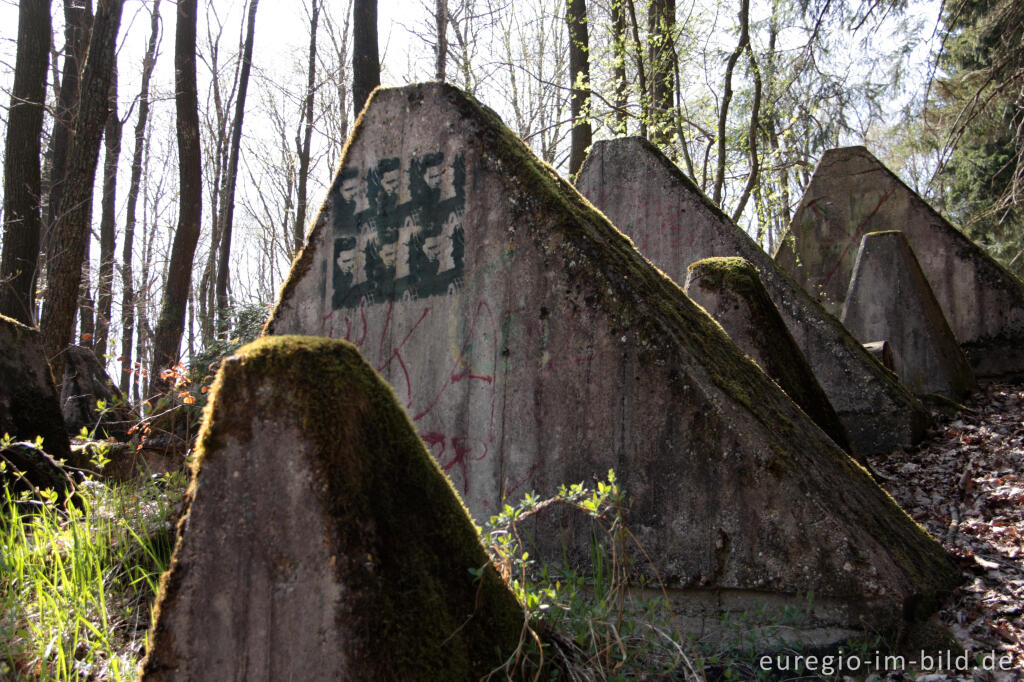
730	289
533	346
321	541
890	298
852	194
674	224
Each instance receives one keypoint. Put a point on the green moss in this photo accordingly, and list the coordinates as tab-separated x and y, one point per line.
404	540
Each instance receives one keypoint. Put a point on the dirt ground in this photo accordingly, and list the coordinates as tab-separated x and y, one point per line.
965	484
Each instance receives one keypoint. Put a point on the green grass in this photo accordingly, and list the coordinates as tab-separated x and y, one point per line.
77	584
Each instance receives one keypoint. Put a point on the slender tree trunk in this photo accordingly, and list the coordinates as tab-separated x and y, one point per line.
753	131
22	181
641	71
661	21
171	323
579	71
299	230
67	243
441	49
228	195
723	113
108	210
77	23
365	58
127	285
620	93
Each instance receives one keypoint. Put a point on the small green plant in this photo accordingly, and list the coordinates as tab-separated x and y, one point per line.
592	626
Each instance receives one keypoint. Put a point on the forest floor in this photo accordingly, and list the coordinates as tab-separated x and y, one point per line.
965	484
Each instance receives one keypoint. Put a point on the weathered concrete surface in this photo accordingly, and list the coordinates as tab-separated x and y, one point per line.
851	194
533	346
890	298
674	224
86	382
321	541
28	399
730	289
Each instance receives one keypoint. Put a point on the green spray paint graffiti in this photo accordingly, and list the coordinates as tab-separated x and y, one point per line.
386	249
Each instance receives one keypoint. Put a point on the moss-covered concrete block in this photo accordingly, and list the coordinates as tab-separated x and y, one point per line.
851	194
890	298
674	224
321	541
730	289
28	398
533	346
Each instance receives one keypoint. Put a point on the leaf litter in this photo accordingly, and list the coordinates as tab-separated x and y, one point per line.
965	484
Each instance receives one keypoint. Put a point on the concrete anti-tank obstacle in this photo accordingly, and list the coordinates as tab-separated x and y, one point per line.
730	289
321	541
850	194
890	298
671	221
533	346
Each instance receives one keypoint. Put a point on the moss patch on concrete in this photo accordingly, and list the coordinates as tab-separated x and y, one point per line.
782	359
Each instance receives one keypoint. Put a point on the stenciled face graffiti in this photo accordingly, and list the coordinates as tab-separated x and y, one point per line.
387	249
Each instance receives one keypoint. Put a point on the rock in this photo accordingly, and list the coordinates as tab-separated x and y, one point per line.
883	352
890	298
674	224
730	290
28	399
321	541
533	346
851	194
86	382
29	469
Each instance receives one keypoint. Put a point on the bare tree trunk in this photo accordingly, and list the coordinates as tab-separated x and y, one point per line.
619	96
441	49
171	323
365	58
112	154
86	304
228	195
67	243
641	71
661	21
22	180
723	113
753	131
127	285
303	143
77	23
579	71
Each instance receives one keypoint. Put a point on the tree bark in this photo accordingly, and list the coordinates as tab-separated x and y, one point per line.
108	210
67	243
127	285
620	93
579	71
22	179
299	228
171	324
661	21
723	113
77	25
441	49
365	58
230	177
